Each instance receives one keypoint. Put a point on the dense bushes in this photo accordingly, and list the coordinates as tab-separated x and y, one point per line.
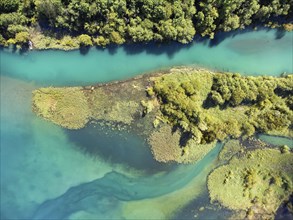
224	105
118	21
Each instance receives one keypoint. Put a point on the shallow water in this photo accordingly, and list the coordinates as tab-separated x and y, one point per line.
277	141
253	53
50	172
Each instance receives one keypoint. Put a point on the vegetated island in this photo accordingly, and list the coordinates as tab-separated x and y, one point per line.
70	24
182	113
186	107
255	182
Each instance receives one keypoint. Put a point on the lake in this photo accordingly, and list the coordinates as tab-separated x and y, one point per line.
47	174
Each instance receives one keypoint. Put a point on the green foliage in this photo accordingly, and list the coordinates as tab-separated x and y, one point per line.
7	6
116	38
225	105
48	10
147	106
2	40
16	28
10	23
119	21
85	40
22	38
101	41
285	149
261	177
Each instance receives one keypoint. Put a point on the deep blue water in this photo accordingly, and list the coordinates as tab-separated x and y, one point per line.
49	172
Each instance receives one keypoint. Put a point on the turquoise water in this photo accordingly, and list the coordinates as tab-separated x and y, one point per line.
50	173
249	53
275	140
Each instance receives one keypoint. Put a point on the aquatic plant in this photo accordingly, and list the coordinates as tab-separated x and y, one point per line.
166	146
230	148
67	107
73	107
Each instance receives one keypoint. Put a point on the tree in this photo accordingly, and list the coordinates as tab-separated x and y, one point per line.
85	40
48	10
116	38
101	41
22	37
7	6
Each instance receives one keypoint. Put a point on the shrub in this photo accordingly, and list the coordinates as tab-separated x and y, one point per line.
101	41
22	37
85	40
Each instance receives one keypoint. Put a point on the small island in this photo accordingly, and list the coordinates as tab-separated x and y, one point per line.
190	108
255	182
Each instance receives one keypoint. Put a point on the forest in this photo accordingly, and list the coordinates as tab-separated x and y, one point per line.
75	23
209	107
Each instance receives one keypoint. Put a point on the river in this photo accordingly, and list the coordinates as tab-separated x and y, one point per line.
46	175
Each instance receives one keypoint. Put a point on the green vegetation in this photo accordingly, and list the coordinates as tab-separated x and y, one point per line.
256	182
67	107
213	106
182	114
85	40
230	148
73	107
165	147
103	22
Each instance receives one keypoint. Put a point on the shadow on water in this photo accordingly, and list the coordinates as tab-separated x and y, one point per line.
221	36
112	48
280	33
84	50
118	147
171	48
156	48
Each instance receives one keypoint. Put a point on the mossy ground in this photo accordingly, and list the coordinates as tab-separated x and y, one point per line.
165	146
230	148
73	107
257	181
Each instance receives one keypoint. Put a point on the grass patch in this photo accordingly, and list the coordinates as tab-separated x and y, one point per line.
73	107
67	107
165	146
111	107
230	148
258	180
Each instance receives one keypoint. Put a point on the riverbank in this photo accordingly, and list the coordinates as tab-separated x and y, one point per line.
44	40
185	108
70	24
